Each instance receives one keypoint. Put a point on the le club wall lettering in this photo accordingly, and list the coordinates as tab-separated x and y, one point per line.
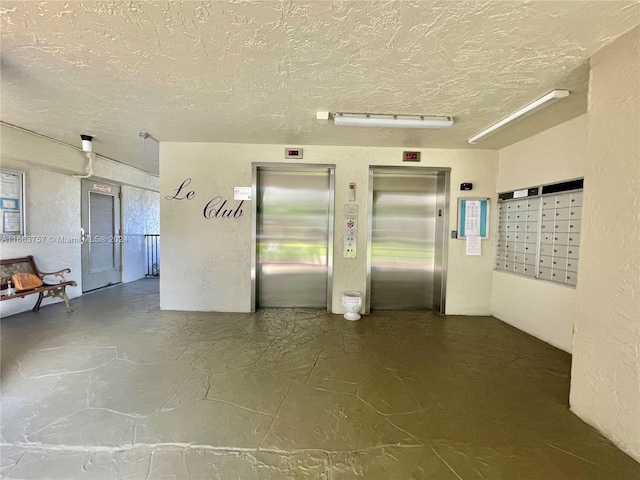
210	210
215	208
188	195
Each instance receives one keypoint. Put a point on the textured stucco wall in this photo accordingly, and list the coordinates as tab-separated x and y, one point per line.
53	209
206	263
605	377
53	205
544	310
140	215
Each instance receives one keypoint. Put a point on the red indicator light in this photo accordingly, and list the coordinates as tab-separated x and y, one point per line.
411	156
293	153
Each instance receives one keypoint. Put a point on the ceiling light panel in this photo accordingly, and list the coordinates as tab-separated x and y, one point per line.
533	107
391	121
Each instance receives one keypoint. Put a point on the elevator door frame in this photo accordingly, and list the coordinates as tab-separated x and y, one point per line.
442	229
289	167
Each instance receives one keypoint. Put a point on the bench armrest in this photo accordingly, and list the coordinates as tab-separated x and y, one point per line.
59	273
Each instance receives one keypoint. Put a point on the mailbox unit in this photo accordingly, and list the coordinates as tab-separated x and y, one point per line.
539	232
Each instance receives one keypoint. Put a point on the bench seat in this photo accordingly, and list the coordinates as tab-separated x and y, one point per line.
8	267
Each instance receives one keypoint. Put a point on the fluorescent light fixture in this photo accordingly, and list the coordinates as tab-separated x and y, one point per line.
390	121
539	104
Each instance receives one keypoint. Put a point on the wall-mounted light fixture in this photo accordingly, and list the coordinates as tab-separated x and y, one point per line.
87	143
539	104
390	121
87	148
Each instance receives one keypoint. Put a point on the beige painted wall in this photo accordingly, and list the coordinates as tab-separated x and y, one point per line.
53	206
206	264
559	153
542	309
605	377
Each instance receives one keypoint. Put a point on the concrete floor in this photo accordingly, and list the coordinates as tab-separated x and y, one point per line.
119	389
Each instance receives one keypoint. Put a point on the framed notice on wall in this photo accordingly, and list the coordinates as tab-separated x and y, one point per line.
473	217
12	208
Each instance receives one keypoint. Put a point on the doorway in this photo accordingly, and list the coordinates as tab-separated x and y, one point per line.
293	235
406	258
101	245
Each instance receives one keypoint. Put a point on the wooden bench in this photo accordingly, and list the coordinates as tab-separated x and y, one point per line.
26	264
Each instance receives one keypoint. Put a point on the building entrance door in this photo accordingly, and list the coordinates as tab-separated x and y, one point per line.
101	246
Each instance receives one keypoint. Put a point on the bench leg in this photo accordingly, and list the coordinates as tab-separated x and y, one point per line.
37	305
66	300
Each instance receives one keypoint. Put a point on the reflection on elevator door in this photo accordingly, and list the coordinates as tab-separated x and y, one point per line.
404	251
292	237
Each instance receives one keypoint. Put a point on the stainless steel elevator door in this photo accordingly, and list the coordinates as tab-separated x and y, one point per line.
292	244
403	241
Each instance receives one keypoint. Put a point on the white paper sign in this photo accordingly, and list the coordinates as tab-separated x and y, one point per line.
520	193
11	222
242	193
10	186
472	218
473	245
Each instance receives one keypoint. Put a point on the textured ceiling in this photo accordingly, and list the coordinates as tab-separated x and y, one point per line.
257	72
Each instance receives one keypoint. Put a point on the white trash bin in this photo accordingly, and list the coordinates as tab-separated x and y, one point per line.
352	301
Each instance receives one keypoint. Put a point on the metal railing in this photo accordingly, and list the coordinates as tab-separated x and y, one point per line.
152	246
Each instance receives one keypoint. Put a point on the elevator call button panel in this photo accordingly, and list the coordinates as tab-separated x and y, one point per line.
350	236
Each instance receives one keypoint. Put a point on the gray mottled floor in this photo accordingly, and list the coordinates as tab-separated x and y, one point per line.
119	389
